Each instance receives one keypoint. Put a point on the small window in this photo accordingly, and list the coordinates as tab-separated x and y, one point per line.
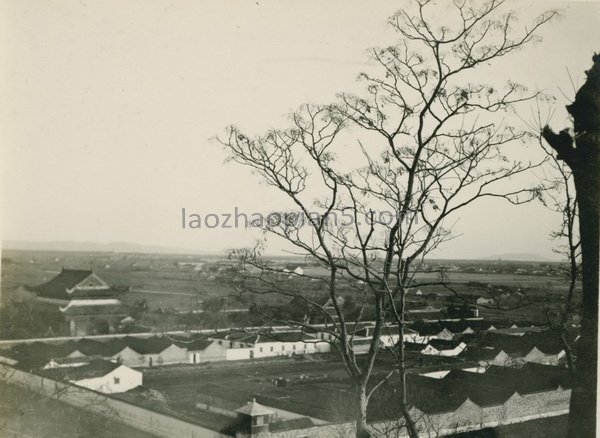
283	348
271	348
260	349
294	347
117	380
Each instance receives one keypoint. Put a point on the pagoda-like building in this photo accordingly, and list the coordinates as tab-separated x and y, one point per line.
90	306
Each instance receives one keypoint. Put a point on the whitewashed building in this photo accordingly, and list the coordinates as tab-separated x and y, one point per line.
100	375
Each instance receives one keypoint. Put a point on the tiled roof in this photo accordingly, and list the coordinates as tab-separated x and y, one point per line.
457	326
530	378
493	387
253	408
427	328
263	337
547	342
235	336
38	354
108	348
96	368
480	353
285	337
57	287
441	344
293	424
192	343
153	345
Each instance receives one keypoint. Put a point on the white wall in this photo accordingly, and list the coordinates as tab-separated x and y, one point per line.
120	379
237	353
211	353
277	348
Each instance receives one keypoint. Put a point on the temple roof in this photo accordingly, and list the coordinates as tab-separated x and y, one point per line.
57	287
75	284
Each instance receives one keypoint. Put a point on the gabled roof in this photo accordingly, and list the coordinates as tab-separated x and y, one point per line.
481	353
479	387
57	287
530	378
263	337
69	361
425	328
192	343
37	354
441	344
107	348
153	345
285	337
547	342
457	326
249	338
96	368
433	396
492	388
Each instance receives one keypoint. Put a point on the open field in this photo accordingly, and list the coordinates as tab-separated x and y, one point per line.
164	288
184	278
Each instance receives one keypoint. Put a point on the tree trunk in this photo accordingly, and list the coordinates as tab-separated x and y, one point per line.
584	161
362	431
583	399
410	424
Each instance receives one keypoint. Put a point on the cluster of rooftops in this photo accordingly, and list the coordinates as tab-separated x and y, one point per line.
38	354
490	388
526	388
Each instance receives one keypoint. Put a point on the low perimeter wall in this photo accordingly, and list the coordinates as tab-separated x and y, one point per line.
144	419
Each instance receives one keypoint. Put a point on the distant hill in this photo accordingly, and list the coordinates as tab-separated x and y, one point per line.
519	257
94	247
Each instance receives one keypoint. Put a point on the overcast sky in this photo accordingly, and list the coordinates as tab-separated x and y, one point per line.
109	109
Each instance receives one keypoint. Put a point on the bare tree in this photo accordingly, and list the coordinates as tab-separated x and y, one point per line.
391	168
579	149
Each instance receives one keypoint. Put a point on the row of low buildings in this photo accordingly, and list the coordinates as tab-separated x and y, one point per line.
116	365
459	401
482	342
165	350
476	340
544	347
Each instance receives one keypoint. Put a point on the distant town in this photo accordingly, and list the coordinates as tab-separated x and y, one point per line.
158	343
